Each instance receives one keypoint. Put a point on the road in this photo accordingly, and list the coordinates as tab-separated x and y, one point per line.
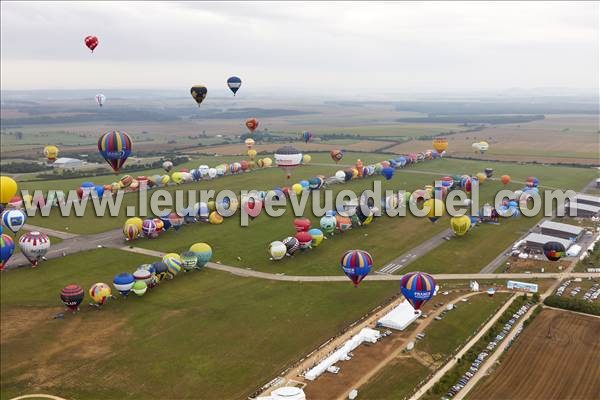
414	253
442	371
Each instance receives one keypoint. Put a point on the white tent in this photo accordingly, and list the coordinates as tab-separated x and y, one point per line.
365	335
400	317
285	393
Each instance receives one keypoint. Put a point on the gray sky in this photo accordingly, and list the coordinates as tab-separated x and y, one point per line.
313	47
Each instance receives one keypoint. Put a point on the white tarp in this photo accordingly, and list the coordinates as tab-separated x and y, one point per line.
400	317
574	250
365	335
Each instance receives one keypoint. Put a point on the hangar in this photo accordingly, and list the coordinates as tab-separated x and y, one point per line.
537	241
565	231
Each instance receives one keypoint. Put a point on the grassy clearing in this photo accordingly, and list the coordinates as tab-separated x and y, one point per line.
396	381
203	334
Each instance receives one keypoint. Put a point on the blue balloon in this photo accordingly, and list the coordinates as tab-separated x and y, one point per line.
99	190
387	172
7	248
234	84
196	175
164	217
304	183
14	219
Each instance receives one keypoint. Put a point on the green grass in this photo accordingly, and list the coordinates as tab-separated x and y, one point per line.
205	332
445	336
396	381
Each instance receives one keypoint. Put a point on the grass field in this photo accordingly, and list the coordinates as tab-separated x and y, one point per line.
204	332
398	379
556	357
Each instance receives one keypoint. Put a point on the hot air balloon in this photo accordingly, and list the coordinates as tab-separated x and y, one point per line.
505	179
435	209
288	158
173	262
139	288
249	143
51	152
342	223
302	224
8	189
356	264
251	124
292	245
460	225
481	177
188	260
123	282
337	155
554	251
115	147
440	144
489	172
72	296
328	224
34	245
167	166
252	154
198	93
277	250
317	237
252	206
387	172
149	228
143	274
215	218
100	99
7	248
203	253
135	221
234	84
130	231
100	292
306	136
418	288
14	219
304	239
91	42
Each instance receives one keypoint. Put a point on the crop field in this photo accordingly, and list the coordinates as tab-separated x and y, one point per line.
566	139
218	333
556	357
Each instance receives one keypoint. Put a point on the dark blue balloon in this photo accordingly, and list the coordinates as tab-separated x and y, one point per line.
99	190
387	172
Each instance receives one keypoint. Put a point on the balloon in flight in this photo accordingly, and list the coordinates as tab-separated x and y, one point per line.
234	84
100	99
91	42
418	288
356	264
115	147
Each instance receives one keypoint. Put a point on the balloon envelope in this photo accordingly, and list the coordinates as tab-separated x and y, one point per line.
198	93
418	288
234	84
115	147
356	264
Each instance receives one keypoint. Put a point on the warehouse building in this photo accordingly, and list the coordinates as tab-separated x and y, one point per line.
587	199
67	163
536	241
582	210
564	231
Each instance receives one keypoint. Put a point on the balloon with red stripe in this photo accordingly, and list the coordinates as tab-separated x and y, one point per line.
418	288
115	147
356	264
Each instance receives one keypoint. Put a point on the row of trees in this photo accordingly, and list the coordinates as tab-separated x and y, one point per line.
573	304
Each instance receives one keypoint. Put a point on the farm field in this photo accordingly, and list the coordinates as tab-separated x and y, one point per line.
219	334
568	139
558	353
398	379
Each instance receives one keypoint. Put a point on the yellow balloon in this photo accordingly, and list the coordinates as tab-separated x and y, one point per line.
8	188
215	218
481	177
165	179
440	144
297	188
251	154
135	221
460	225
354	173
435	208
306	158
51	152
268	162
177	177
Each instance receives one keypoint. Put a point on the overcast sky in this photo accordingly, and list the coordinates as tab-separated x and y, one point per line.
315	47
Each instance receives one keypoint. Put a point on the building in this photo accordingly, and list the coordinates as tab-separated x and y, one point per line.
400	317
587	199
286	392
67	163
565	231
582	210
536	241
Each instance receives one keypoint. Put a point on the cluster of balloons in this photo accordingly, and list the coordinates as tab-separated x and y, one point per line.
304	239
33	245
146	276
